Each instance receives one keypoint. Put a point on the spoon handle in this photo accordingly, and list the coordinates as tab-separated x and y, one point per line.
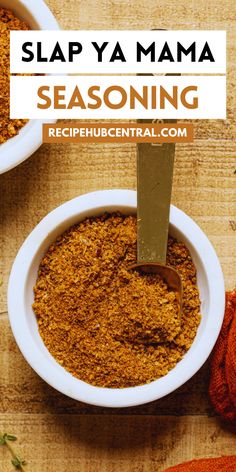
155	164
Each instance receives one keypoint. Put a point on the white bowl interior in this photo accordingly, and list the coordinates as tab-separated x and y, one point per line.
24	324
23	145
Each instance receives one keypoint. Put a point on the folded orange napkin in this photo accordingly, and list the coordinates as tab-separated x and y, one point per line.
222	389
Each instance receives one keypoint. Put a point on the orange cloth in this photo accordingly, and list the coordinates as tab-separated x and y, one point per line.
222	389
220	464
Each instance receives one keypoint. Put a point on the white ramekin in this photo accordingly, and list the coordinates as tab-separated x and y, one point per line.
17	149
23	321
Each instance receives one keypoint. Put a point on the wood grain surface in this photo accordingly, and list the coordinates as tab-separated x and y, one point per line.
57	434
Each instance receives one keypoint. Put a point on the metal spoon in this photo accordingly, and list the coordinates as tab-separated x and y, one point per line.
155	163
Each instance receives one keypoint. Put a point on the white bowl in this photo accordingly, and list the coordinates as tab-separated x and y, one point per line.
24	325
17	149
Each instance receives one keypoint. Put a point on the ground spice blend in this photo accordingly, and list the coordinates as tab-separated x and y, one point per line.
106	325
8	22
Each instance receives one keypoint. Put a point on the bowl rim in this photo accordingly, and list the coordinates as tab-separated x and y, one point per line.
57	376
19	148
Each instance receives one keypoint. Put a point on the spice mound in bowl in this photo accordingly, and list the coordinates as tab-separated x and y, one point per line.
106	325
8	21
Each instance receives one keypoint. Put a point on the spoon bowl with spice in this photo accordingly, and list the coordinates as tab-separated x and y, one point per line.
81	318
155	164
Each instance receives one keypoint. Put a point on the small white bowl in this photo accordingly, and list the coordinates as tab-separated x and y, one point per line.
17	149
24	325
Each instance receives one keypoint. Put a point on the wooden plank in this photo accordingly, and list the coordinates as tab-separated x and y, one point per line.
55	432
53	442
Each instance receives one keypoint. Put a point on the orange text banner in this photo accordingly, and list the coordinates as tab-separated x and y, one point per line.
118	132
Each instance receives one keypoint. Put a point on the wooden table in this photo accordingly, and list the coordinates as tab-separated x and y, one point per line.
57	434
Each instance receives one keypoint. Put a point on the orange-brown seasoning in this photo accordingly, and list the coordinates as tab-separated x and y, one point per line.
106	325
8	21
